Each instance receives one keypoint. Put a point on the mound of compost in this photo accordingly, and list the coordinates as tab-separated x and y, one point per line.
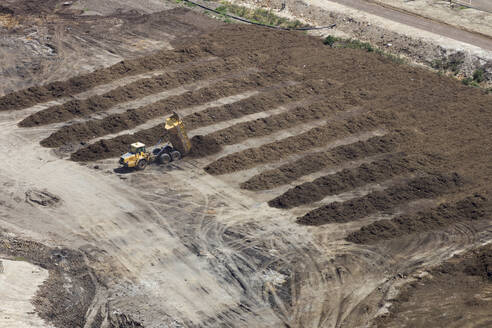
316	137
418	188
202	146
314	162
471	208
347	179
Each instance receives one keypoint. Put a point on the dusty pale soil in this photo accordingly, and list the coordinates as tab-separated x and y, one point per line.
322	181
477	18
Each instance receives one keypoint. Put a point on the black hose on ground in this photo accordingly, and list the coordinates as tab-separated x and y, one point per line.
260	24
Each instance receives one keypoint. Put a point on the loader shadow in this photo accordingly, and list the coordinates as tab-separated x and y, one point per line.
124	170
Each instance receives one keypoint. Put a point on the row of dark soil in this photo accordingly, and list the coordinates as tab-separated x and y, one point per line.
273	50
314	162
469	209
31	96
122	121
268	125
203	146
138	89
418	188
347	179
316	137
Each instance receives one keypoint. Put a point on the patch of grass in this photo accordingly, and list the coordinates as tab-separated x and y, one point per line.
336	42
448	64
260	16
330	40
186	3
475	79
478	75
20	258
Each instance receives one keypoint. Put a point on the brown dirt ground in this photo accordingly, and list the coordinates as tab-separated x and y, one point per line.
425	115
469	209
456	293
349	179
271	152
65	307
113	147
418	188
141	88
314	162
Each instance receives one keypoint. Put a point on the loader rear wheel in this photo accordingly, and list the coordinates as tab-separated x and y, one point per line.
164	158
142	164
175	155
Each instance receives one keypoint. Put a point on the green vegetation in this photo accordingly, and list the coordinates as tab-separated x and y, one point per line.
478	75
330	40
186	3
260	16
20	258
475	79
336	42
451	64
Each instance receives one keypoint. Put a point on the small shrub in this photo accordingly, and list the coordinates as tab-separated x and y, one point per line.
221	9
330	40
478	75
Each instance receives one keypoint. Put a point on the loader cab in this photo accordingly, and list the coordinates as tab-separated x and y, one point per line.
137	148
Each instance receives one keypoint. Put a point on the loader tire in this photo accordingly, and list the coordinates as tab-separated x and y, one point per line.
164	158
175	155
142	164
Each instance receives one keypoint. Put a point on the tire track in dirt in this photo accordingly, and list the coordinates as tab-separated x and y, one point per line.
261	102
315	137
314	162
471	208
82	108
132	118
418	188
31	96
347	179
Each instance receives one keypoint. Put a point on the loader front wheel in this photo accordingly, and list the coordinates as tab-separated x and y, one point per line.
164	158
175	155
142	164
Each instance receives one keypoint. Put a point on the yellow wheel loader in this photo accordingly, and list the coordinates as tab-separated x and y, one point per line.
178	146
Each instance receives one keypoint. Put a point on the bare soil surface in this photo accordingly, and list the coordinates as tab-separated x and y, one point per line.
347	179
459	46
314	162
471	208
425	187
386	166
456	293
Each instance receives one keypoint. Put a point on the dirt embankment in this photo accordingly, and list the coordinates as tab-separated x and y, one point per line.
418	188
31	96
316	137
82	108
316	161
469	209
67	294
453	294
115	123
349	179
